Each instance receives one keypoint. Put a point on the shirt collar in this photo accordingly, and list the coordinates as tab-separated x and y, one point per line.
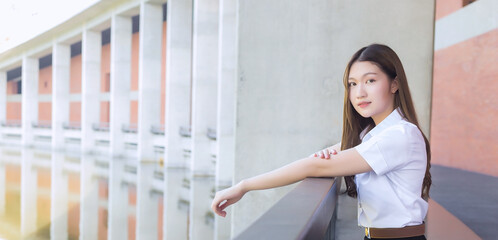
390	120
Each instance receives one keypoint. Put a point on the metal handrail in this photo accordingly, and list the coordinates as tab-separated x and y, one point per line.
130	128
72	125
185	131
211	133
42	124
157	129
101	126
11	123
307	212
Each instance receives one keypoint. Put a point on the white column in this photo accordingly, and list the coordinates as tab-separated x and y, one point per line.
117	202
227	79
178	79
61	57
200	206
91	51
89	199
58	198
147	205
175	205
3	99
204	89
204	96
30	70
28	193
149	77
178	86
120	81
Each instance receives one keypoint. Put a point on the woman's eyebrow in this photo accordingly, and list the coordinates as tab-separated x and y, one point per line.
351	78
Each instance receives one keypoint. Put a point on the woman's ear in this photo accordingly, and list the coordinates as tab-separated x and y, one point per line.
394	85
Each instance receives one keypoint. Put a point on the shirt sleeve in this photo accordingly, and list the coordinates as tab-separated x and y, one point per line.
386	151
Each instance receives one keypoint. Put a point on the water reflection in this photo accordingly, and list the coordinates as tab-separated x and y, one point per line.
53	195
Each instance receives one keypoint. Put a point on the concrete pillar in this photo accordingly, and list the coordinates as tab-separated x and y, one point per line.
120	81
61	59
174	214
147	204
28	193
204	96
30	69
89	199
178	79
3	99
227	78
90	87
117	201
204	89
58	198
149	78
290	69
149	90
201	218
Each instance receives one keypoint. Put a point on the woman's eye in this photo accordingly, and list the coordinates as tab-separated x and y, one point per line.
351	84
371	80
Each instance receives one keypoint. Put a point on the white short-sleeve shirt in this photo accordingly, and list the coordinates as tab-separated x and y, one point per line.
390	195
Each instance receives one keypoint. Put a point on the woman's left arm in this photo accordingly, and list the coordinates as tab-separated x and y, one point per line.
344	163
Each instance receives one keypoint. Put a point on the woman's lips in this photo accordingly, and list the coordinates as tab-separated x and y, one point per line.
362	105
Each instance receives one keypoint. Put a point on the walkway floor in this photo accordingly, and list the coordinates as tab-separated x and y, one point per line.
470	196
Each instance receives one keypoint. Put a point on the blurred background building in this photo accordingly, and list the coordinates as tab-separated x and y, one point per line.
142	109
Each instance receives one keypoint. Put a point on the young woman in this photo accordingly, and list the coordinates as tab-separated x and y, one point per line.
383	155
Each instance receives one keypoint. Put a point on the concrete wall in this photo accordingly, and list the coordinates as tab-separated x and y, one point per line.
45	87
464	111
291	58
446	7
105	81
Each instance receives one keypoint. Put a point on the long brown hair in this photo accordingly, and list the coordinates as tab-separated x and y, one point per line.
353	123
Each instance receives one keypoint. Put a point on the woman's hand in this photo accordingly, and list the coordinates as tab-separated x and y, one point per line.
227	197
325	153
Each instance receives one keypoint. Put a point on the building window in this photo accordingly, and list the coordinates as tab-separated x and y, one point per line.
19	86
107	84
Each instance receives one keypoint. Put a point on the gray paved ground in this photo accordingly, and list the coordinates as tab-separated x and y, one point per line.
346	227
470	196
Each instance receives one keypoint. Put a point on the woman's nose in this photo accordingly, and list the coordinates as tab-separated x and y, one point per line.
360	91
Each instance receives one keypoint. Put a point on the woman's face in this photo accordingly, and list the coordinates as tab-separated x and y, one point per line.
371	91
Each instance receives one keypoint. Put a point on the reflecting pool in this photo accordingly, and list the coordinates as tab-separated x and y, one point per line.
54	195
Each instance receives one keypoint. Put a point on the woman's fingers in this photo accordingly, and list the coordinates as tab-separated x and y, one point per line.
218	207
225	198
328	152
325	153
